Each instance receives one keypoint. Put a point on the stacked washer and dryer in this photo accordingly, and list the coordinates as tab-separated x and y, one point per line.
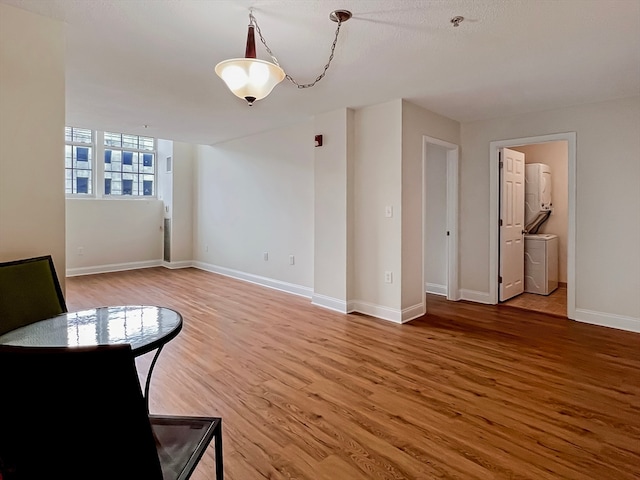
540	249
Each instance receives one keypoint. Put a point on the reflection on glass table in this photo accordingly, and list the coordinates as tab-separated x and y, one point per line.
144	327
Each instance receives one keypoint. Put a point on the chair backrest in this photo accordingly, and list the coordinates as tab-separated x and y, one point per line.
29	292
74	413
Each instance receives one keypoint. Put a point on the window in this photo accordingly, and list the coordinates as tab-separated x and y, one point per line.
82	185
78	160
129	164
114	164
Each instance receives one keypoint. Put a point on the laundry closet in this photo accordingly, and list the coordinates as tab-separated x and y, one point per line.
545	224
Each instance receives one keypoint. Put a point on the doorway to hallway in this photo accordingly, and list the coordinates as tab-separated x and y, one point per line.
440	183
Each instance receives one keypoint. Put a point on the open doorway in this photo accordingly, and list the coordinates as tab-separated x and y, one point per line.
440	222
545	215
546	246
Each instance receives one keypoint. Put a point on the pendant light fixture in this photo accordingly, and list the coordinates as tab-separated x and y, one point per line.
253	79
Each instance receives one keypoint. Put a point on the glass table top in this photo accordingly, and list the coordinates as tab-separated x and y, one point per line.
144	327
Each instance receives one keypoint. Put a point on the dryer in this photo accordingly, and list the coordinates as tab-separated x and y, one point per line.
537	191
540	263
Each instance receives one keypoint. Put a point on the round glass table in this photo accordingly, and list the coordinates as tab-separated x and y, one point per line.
144	327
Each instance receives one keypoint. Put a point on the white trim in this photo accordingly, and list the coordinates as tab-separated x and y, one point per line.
114	267
570	138
475	296
452	206
411	313
378	311
385	313
176	265
435	289
257	279
611	320
453	182
329	302
98	178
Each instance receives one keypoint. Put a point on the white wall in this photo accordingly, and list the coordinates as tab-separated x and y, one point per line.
417	123
607	205
435	245
165	178
165	194
333	201
255	195
183	181
378	184
32	112
176	192
554	154
106	235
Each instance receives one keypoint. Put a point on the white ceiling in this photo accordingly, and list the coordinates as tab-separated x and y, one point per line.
136	62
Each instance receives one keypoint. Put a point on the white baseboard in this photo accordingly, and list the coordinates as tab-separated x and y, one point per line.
435	289
385	313
377	311
114	267
176	265
413	312
257	279
329	302
475	296
611	320
454	296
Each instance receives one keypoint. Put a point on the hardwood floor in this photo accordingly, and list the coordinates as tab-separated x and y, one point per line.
553	304
468	391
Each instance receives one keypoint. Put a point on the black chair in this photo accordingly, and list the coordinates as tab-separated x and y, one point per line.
29	291
78	413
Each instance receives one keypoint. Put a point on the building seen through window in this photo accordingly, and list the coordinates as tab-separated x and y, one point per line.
78	160
128	167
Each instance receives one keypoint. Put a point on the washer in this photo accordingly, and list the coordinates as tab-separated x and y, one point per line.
540	263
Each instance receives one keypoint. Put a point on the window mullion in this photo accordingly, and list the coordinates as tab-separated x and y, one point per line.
99	164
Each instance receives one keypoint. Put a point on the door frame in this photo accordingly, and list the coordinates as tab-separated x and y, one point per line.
452	206
494	202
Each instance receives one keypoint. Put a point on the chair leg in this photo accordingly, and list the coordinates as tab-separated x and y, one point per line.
218	451
148	381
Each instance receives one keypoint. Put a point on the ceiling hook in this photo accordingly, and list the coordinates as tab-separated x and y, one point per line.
457	20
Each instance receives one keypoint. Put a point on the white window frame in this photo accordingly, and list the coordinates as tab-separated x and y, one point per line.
97	168
93	162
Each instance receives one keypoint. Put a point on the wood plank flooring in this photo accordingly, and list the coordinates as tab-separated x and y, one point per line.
553	304
468	391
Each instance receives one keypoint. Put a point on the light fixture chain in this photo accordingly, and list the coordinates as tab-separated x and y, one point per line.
253	20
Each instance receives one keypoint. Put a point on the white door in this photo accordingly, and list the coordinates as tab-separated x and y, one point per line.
511	223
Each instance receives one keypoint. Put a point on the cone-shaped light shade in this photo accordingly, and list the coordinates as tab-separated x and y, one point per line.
250	78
